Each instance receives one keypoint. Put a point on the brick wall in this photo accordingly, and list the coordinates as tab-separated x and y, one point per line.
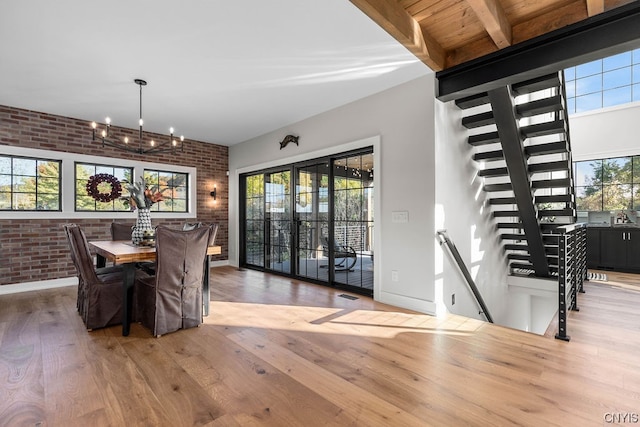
36	249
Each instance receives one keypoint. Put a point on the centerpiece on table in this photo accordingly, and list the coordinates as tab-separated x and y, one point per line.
141	197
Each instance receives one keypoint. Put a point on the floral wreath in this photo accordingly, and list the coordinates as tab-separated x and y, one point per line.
100	178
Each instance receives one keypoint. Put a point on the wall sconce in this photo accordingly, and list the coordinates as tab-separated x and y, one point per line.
214	193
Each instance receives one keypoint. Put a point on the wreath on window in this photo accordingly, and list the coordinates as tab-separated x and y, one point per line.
93	187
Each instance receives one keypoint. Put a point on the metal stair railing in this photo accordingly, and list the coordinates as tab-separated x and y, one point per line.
572	271
444	239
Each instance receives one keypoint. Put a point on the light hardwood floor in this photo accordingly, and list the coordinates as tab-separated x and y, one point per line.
279	352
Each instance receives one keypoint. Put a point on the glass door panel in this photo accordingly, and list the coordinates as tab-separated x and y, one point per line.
312	210
254	220
353	221
278	221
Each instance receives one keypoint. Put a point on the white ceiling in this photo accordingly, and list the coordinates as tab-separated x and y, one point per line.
217	71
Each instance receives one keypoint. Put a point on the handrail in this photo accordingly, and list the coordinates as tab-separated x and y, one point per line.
444	239
572	271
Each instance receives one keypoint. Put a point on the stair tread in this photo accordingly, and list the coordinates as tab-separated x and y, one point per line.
498	187
551	183
543	129
503	171
516	247
547	148
540	106
502	201
508	225
555	198
512	236
473	101
502	214
484	138
560	165
478	120
488	155
556	212
539	83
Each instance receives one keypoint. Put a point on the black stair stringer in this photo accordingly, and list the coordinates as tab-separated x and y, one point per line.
511	139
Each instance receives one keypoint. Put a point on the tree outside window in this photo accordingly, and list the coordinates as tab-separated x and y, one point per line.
29	184
608	184
174	189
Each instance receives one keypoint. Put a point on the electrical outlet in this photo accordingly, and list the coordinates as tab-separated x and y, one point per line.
394	275
453	299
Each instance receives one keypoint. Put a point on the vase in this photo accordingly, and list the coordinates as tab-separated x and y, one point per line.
143	224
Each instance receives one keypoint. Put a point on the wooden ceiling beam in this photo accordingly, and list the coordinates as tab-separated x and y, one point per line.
494	19
395	20
595	7
608	33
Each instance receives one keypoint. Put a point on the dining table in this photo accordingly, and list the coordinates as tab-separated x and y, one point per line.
125	253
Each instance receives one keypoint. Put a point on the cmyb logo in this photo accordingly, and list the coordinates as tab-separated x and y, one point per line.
621	418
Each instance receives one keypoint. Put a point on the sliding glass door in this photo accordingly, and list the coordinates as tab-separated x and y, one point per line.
312	220
353	220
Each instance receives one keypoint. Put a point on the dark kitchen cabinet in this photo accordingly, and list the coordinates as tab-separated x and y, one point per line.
613	248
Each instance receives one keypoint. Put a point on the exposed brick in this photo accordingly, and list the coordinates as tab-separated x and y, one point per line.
32	250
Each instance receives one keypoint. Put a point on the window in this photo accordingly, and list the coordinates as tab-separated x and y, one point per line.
174	188
603	83
29	184
608	184
84	202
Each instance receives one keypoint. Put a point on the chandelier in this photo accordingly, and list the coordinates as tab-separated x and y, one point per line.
170	145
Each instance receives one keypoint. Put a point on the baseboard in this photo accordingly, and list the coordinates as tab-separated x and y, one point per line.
222	263
38	286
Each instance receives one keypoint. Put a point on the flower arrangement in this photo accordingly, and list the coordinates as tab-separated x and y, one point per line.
140	195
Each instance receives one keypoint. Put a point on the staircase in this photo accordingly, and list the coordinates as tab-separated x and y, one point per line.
521	138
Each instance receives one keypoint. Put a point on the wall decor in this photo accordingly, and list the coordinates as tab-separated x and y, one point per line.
287	139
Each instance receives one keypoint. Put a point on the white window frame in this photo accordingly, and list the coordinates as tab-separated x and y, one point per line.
68	185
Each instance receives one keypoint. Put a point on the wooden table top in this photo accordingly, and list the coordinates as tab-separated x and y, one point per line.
123	251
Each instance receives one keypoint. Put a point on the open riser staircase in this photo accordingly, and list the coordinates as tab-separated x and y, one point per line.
521	138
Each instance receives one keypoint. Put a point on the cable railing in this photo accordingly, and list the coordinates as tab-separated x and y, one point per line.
444	239
572	271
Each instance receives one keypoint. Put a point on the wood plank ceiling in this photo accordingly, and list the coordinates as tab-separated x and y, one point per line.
446	33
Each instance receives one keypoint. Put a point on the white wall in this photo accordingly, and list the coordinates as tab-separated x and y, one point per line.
402	120
610	132
461	209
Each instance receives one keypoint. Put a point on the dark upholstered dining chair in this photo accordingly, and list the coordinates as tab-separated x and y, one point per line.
191	225
121	231
99	271
99	295
172	299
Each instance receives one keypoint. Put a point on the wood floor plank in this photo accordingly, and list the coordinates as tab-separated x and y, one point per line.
371	410
22	397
